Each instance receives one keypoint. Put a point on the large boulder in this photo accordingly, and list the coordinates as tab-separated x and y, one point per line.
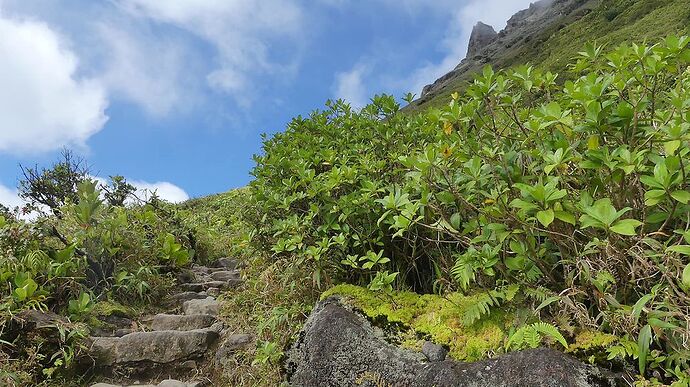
338	347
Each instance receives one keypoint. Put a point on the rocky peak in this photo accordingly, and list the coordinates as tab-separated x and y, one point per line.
482	35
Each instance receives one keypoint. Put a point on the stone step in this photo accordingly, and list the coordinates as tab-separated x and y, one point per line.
228	263
185	296
164	383
209	305
174	322
159	347
209	283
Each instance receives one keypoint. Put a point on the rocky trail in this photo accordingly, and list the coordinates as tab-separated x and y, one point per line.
178	348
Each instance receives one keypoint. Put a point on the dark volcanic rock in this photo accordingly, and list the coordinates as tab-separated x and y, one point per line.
482	35
340	348
524	28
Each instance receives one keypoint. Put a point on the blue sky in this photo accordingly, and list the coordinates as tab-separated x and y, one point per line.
174	94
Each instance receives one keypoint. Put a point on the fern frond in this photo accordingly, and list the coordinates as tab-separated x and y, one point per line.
462	273
479	308
550	331
532	335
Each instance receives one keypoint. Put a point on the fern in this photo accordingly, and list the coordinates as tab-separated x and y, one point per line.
484	302
479	308
462	272
531	336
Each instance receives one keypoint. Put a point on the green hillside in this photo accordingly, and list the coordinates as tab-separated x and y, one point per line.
608	22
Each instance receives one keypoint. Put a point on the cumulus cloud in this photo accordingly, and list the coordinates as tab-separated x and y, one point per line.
246	35
349	85
164	190
9	197
43	104
143	68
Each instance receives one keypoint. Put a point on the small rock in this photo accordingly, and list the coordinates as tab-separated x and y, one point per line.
122	332
213	292
434	352
171	383
232	344
170	322
209	305
185	296
227	263
201	286
188	365
225	276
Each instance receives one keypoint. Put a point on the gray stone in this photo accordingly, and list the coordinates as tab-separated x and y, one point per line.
434	352
201	286
213	292
482	35
209	305
185	296
227	263
172	322
225	276
338	347
188	365
159	347
171	383
231	344
105	385
526	27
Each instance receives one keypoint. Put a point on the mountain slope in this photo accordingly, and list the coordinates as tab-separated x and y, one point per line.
550	31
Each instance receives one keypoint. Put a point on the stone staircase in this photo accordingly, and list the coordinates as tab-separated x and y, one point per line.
185	342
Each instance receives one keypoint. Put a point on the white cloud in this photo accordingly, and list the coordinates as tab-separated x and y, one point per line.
164	190
350	86
9	197
43	104
246	34
145	69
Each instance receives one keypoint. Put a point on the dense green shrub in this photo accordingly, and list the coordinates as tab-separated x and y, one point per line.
577	194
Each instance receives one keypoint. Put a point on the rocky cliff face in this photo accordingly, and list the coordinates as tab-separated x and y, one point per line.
525	27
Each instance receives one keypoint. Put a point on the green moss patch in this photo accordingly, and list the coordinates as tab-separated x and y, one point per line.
436	318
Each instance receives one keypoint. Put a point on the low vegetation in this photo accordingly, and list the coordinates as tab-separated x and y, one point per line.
570	200
83	260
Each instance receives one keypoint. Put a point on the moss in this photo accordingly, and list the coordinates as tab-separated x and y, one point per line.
592	340
111	308
432	317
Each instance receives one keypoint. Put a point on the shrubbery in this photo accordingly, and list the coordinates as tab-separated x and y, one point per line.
92	252
570	199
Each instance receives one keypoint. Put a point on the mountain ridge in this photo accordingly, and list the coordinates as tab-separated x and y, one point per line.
548	32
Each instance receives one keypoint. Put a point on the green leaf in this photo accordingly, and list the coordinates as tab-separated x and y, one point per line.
564	216
643	342
639	305
545	217
682	249
670	147
685	280
681	196
626	226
